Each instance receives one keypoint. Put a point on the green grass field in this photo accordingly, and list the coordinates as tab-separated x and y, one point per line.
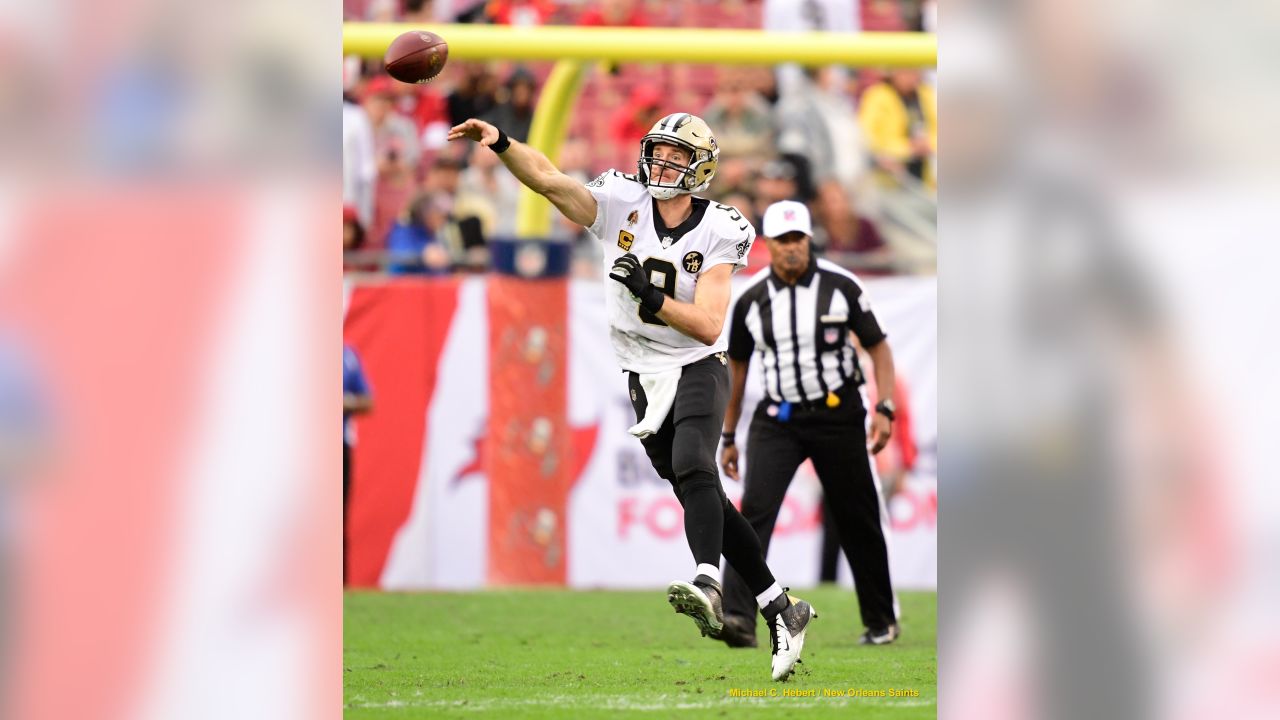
533	653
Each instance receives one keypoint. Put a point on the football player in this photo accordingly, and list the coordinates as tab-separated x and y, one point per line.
671	255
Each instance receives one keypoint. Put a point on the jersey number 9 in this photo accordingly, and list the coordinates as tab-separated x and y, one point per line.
651	267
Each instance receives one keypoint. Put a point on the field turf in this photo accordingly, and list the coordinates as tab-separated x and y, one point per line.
542	654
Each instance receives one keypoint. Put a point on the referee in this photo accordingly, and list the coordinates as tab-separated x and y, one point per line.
797	316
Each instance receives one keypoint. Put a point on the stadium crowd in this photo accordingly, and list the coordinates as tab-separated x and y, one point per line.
858	146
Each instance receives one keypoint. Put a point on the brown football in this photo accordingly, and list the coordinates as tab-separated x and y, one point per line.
416	56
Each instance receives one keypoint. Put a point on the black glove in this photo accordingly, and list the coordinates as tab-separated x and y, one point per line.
627	271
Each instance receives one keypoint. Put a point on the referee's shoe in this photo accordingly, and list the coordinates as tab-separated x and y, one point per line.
739	632
701	601
881	636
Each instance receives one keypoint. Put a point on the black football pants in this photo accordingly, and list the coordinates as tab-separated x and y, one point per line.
683	452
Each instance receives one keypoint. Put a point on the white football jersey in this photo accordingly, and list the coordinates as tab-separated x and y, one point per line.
627	221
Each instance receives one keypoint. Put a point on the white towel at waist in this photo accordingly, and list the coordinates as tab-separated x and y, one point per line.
660	392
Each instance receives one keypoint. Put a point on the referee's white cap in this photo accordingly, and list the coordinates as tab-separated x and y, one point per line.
787	216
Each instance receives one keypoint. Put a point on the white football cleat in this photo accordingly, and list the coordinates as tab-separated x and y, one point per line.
787	636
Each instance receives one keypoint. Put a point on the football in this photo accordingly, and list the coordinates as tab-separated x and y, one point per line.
416	56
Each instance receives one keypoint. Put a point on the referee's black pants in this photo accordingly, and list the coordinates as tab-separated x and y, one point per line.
836	440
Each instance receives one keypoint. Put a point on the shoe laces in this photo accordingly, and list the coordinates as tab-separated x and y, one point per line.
779	627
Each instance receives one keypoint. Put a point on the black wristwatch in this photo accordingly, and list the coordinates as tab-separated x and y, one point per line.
886	408
727	437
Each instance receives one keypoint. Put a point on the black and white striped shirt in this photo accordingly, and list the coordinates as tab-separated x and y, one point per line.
801	331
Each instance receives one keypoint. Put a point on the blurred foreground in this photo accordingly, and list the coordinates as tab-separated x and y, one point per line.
1110	533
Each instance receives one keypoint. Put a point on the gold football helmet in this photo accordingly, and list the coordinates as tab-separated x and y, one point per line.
690	133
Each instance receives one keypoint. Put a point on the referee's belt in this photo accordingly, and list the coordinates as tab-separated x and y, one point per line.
834	399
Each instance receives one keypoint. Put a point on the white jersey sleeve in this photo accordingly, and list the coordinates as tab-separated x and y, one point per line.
733	237
611	190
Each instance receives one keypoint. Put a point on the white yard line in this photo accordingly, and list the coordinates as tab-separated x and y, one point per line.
631	702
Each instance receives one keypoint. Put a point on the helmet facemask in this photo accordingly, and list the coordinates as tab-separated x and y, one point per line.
690	134
648	163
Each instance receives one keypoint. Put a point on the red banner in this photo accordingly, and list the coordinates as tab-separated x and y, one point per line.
400	331
528	456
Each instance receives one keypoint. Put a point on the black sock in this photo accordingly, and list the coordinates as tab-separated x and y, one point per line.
773	609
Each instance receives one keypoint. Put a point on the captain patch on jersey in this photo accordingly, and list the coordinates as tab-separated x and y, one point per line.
672	258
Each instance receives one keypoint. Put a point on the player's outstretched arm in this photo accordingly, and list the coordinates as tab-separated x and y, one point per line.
534	170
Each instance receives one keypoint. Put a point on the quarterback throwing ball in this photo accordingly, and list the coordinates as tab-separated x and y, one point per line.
670	255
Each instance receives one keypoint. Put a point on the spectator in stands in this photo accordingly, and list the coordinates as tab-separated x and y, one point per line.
359	160
425	107
394	137
397	152
461	11
735	175
574	161
353	240
514	112
816	123
419	12
850	239
834	100
415	245
383	11
521	13
776	182
764	83
819	15
807	16
444	176
489	191
742	119
884	16
613	13
900	124
473	95
632	120
352	231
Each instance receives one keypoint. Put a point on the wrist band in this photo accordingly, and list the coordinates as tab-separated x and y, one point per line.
502	143
884	410
727	437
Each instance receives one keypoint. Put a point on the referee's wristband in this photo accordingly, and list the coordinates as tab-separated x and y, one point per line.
887	409
727	437
502	143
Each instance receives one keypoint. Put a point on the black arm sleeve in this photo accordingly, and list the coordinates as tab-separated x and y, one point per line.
862	321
